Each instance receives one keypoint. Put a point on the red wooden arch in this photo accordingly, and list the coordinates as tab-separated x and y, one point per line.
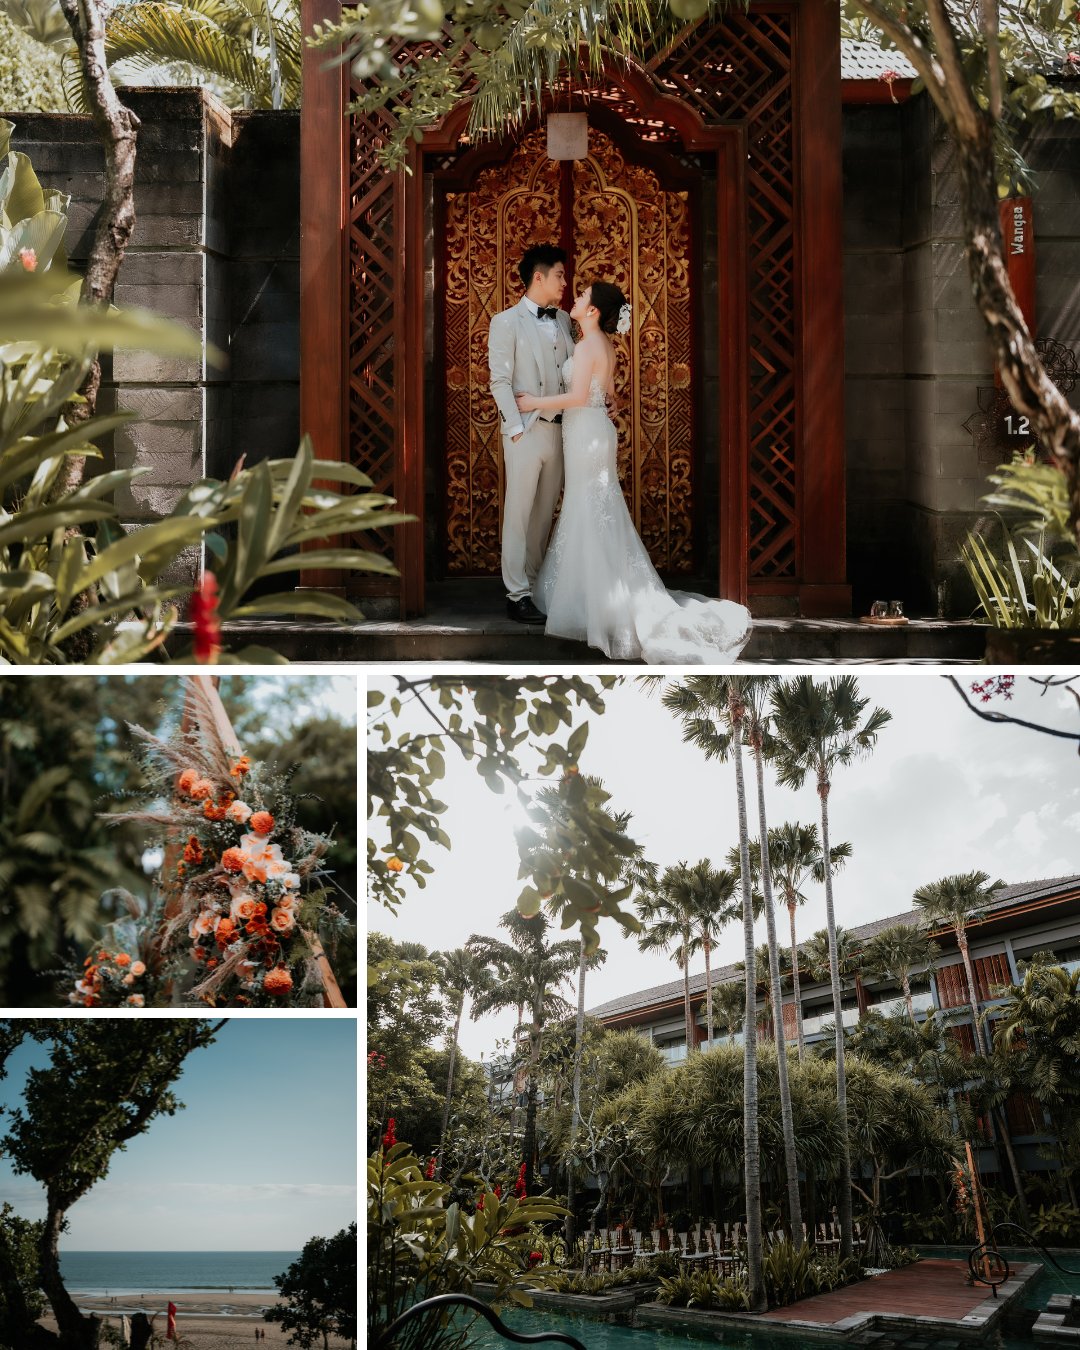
789	498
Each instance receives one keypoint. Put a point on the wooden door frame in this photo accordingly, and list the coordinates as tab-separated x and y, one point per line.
660	159
820	586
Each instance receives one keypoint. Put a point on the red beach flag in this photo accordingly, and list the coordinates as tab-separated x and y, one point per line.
170	1332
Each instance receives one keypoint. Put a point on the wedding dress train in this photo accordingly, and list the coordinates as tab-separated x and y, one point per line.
597	583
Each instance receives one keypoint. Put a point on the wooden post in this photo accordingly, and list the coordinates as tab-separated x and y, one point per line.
976	1200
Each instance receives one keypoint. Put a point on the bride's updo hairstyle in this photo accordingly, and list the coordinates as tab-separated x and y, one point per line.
609	300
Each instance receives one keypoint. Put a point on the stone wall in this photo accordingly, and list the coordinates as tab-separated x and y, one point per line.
216	246
917	356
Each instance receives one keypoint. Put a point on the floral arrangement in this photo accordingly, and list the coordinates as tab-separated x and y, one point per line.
243	894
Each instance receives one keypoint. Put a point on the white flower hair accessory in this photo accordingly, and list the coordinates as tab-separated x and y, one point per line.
623	326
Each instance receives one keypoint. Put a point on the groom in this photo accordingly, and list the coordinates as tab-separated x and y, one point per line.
527	345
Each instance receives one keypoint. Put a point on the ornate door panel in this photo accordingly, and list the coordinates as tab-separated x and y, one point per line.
620	222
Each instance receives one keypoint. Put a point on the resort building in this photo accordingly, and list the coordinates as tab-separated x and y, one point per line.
1034	916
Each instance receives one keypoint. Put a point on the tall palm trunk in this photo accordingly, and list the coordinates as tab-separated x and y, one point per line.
528	1140
844	1179
707	948
575	1108
1001	1123
795	980
688	1021
905	984
751	1143
513	1090
791	1161
450	1076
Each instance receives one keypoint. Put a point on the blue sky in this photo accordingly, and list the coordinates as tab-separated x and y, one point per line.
262	1158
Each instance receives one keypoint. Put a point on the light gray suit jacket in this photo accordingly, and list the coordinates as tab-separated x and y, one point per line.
522	360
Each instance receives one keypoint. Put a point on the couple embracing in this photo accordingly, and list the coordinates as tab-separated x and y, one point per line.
595	581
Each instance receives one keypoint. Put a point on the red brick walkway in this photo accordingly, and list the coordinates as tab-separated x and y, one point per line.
929	1288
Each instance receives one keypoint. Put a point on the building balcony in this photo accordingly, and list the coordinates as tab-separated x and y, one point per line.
813	1026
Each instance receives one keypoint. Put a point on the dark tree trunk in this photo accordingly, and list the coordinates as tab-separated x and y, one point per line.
116	127
1029	387
76	1331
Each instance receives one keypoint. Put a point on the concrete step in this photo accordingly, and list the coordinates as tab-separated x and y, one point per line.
442	638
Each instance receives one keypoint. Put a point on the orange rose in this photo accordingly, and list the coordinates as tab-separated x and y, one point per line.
202	787
103	956
138	968
123	959
187	781
244	909
262	822
394	865
277	981
226	926
281	921
260	908
233	860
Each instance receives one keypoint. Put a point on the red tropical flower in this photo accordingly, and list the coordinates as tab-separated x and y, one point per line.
204	618
389	1139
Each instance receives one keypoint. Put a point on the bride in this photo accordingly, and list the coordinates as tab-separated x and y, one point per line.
597	583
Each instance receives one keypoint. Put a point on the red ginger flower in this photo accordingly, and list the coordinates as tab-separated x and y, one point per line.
519	1188
389	1139
429	1170
204	618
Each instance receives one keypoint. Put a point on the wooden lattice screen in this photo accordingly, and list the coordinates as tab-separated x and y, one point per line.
772	72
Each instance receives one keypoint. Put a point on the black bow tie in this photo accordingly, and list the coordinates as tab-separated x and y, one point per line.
547	313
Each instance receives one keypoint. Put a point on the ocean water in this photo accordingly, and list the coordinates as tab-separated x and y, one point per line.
126	1272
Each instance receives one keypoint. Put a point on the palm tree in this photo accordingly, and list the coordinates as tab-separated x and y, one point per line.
1039	1023
527	972
821	727
894	954
729	1005
816	951
714	710
557	841
461	974
711	901
248	51
795	857
954	902
667	919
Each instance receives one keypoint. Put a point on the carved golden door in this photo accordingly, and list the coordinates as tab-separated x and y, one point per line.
618	221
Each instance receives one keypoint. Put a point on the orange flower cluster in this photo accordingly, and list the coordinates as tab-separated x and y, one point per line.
106	978
277	981
218	810
241	767
193	852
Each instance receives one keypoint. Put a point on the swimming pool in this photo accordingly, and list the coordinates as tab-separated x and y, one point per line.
597	1335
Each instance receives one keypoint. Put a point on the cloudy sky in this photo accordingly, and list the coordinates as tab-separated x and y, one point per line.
263	1157
944	792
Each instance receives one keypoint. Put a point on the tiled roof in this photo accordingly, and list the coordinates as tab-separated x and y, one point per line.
1022	893
867	61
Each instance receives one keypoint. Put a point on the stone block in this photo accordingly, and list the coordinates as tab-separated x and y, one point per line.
157	404
184	303
1057	290
151	268
273	349
138	367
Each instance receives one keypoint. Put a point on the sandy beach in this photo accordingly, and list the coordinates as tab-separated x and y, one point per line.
214	1320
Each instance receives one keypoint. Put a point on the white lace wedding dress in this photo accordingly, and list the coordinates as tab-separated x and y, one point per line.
597	583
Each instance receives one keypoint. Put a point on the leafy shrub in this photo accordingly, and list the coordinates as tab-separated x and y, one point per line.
1056	1223
704	1289
415	1240
904	1256
791	1273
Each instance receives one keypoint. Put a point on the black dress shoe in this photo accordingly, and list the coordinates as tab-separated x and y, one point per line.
524	611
